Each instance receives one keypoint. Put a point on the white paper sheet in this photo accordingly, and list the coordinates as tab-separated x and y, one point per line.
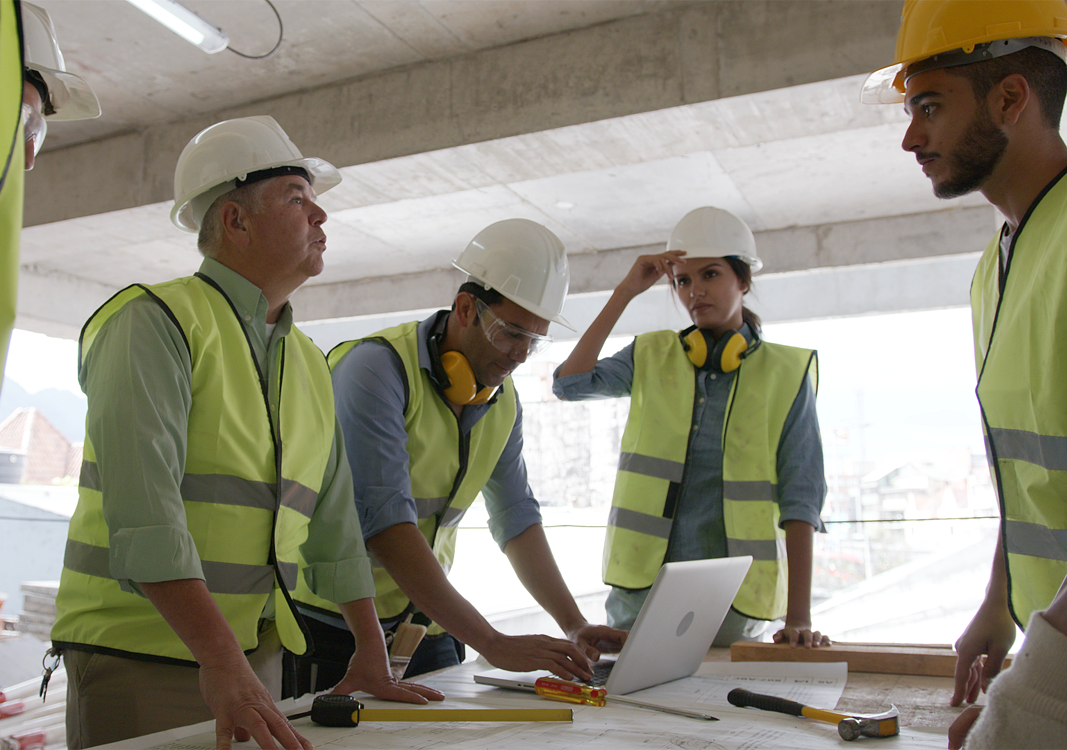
609	728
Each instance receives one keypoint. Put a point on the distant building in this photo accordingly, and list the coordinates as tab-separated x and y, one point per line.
47	456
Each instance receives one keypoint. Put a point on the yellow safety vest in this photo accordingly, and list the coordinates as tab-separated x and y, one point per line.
1021	356
652	464
447	470
12	154
246	525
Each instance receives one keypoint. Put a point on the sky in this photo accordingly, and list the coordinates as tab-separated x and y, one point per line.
37	362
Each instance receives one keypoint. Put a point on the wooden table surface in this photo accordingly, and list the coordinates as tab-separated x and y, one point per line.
922	701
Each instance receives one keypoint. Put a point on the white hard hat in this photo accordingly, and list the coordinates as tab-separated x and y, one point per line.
715	233
70	96
217	157
525	262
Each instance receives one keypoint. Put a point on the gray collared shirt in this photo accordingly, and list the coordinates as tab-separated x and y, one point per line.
138	380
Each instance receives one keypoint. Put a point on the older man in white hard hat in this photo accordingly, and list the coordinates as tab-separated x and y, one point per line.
212	458
431	418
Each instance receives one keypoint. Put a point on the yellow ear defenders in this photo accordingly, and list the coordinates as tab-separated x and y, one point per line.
706	353
456	378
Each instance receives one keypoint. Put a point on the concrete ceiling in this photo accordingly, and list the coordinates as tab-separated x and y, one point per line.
606	120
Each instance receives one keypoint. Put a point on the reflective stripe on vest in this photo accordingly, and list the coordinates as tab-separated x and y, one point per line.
656	442
234	508
1022	363
443	484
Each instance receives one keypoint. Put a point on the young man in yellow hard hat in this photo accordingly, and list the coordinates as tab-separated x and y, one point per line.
431	419
984	84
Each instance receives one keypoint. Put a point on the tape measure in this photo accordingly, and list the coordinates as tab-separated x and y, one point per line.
336	710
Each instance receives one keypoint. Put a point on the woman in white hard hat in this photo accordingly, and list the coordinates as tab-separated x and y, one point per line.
721	455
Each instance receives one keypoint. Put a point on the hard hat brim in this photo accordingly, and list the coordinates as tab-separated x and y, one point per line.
541	312
886	85
324	176
71	97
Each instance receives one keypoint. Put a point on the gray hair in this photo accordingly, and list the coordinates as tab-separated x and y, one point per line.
249	197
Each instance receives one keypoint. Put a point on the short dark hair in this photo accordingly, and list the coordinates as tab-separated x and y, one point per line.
476	289
31	76
1043	70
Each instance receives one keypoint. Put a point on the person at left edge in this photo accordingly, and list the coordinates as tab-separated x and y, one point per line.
49	93
212	458
431	418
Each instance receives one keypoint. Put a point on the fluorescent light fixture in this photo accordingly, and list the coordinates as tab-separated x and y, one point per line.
185	24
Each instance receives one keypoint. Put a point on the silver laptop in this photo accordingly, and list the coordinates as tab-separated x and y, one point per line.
673	630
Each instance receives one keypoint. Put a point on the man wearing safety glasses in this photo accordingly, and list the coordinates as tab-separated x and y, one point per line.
430	419
49	92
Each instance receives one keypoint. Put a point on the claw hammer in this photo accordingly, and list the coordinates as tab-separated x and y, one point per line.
849	727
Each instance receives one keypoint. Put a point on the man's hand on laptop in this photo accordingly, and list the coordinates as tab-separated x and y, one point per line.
595	640
529	653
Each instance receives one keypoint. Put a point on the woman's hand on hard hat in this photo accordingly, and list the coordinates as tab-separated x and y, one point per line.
647	270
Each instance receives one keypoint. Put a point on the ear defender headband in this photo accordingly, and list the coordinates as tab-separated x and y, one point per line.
456	378
706	353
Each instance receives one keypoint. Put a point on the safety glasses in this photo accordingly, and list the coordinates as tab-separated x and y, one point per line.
509	338
34	127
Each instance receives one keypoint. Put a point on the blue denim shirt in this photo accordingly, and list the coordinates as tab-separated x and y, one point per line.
699	532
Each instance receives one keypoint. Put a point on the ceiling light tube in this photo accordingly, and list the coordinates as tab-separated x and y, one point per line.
185	24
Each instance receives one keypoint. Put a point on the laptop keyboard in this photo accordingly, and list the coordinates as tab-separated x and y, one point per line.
601	670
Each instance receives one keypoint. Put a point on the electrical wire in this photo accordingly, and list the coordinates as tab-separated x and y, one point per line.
277	44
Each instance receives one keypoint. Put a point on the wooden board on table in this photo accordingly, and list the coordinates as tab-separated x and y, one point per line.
887	658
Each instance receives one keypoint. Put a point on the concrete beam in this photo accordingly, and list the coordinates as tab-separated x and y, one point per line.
681	56
860	243
902	286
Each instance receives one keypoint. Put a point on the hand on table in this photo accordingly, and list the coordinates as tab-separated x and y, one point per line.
800	634
957	733
368	676
243	709
981	651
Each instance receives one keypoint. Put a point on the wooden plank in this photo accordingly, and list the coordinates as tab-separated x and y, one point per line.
884	658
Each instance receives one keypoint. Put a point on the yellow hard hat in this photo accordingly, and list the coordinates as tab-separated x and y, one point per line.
946	33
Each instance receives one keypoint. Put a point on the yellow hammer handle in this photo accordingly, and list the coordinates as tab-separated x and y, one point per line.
821	715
